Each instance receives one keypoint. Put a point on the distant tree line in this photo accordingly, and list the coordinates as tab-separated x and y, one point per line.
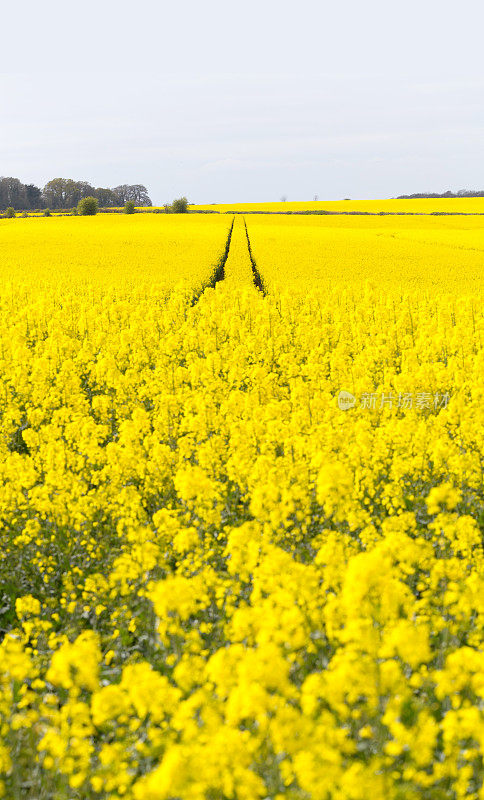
66	193
432	195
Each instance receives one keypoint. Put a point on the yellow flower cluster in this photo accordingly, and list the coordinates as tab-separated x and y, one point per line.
216	581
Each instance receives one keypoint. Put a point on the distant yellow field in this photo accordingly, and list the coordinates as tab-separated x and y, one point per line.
156	252
394	254
473	205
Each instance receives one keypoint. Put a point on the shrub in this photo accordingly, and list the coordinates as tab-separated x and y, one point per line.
47	212
87	207
180	206
10	212
129	207
74	211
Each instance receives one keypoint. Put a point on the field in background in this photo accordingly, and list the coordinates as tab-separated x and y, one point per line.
147	253
472	205
241	503
396	255
437	206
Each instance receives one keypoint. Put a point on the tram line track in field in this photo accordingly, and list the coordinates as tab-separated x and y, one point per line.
218	275
258	282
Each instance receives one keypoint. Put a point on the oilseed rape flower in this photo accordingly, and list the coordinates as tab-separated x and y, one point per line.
445	495
75	666
215	581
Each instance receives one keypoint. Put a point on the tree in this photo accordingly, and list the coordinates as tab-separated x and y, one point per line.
80	189
87	207
12	193
180	206
18	195
10	212
135	192
129	207
54	193
106	197
65	193
34	196
139	195
121	194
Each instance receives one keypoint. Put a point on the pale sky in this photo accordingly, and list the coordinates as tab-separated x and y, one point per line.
226	102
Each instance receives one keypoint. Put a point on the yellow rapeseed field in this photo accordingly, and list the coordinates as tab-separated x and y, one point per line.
445	205
242	508
149	253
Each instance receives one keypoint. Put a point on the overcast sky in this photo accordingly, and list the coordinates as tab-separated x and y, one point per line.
247	101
